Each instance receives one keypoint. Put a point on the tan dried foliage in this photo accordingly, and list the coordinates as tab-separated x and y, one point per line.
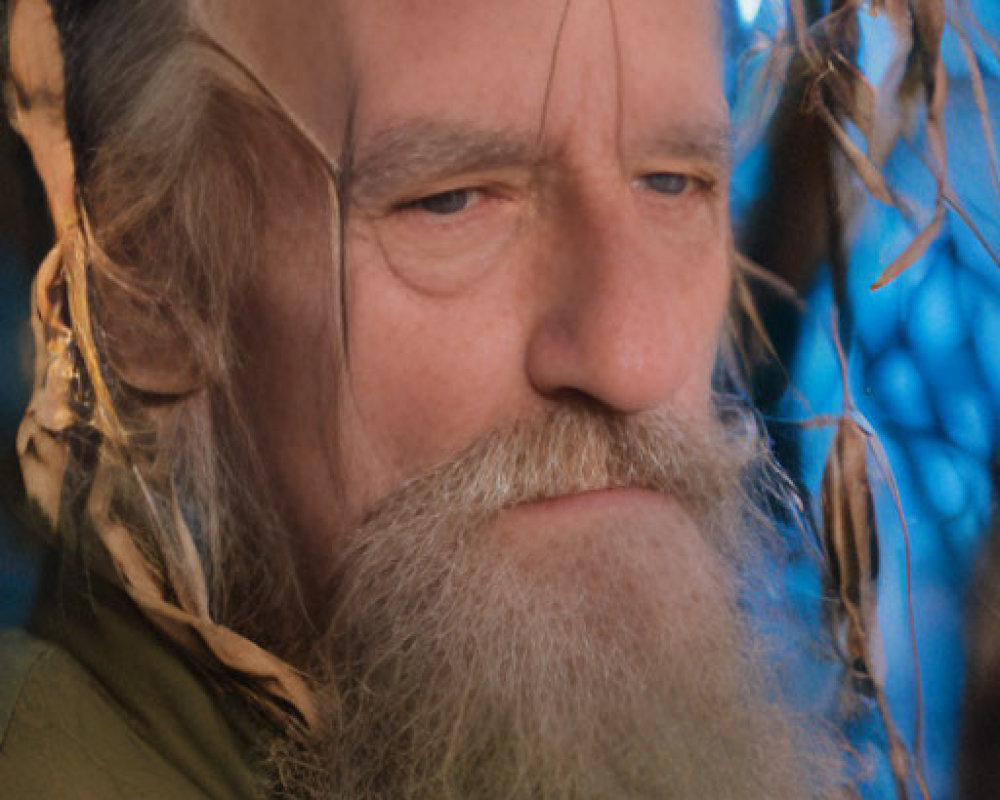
850	542
916	79
841	95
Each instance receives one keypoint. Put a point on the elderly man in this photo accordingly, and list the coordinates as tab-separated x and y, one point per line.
379	427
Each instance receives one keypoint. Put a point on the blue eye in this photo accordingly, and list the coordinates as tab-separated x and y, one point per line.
668	183
445	203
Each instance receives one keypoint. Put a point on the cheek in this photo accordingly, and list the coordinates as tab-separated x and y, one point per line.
430	373
701	287
289	340
427	375
645	571
288	332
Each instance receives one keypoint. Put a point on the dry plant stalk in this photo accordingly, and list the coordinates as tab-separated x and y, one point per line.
839	93
851	551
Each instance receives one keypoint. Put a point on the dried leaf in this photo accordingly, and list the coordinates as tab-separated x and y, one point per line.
936	126
851	546
914	251
287	696
77	268
759	99
953	203
896	9
749	308
309	139
36	68
928	24
854	94
891	113
778	285
992	44
850	537
882	460
868	172
863	103
800	26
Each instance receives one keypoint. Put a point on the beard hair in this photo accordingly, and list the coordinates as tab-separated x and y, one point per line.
618	667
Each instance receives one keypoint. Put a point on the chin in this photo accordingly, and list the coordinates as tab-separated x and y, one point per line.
587	647
512	626
633	561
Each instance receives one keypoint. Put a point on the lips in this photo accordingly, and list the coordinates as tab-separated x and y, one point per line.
598	499
602	512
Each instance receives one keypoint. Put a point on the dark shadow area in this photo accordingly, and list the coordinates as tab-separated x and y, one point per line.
25	237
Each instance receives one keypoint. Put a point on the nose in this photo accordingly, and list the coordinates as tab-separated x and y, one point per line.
629	314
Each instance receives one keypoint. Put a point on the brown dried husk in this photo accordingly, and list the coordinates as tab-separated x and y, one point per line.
838	94
917	79
72	401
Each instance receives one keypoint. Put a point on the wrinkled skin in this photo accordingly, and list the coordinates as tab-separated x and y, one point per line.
534	205
606	233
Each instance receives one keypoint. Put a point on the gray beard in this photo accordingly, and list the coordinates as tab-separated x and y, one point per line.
615	667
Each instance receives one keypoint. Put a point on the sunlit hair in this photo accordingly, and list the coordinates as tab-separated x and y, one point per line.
170	138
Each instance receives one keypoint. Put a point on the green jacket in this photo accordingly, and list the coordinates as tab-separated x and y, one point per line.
94	703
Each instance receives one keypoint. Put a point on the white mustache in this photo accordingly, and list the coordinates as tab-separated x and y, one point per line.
578	448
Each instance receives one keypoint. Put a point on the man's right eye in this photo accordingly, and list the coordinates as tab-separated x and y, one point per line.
441	240
444	203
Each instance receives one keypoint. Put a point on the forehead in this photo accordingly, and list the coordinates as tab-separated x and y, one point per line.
496	61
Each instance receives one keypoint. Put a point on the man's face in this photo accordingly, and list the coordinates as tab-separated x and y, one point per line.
489	415
537	210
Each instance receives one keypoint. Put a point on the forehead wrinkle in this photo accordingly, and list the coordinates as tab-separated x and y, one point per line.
417	151
405	156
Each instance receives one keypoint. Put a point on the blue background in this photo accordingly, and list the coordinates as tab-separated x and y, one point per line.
925	372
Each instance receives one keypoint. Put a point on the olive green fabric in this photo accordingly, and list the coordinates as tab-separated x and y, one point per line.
95	704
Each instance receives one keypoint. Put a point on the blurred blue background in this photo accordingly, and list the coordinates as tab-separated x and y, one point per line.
17	567
24	237
925	372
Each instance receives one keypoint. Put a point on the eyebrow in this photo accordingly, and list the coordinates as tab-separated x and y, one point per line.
710	143
420	151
